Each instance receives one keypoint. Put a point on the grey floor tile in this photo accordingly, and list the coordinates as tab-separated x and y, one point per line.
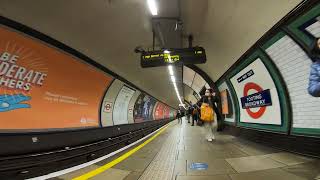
133	176
255	150
112	173
218	166
215	177
253	163
271	174
309	170
180	167
289	158
198	147
134	164
79	172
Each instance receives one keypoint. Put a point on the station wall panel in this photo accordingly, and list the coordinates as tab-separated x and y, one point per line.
108	103
288	57
42	88
230	116
131	106
121	105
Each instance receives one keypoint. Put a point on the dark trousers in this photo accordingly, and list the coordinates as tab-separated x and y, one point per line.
188	117
194	118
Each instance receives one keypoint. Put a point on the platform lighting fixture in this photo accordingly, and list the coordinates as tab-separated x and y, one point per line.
153	7
170	70
173	79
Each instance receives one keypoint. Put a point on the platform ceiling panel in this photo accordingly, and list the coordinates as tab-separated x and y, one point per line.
226	29
105	30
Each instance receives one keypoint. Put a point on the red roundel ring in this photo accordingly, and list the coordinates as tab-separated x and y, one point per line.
247	87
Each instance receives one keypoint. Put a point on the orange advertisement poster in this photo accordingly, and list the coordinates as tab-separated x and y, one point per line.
224	102
42	87
158	113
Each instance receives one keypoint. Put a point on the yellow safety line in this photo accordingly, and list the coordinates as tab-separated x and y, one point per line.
119	159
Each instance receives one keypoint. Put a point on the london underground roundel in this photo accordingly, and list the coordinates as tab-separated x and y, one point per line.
257	95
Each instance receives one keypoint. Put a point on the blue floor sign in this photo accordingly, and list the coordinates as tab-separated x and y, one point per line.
199	166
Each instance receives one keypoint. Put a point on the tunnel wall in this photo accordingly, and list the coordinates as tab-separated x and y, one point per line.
277	68
50	92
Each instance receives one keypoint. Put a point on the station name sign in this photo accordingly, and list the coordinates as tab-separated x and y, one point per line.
195	55
259	99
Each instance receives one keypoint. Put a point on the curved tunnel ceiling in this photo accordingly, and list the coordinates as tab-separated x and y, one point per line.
108	30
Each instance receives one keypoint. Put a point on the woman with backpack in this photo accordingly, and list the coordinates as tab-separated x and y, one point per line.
207	109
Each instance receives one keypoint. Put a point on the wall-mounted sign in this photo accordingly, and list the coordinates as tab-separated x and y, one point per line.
245	76
37	80
259	99
256	94
107	107
121	104
224	101
196	55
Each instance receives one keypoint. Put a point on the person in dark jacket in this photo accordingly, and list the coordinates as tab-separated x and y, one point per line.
314	78
195	114
189	113
179	117
210	99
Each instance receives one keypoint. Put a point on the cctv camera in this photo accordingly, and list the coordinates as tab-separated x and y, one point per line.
139	49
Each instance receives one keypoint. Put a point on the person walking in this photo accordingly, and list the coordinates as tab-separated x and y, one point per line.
195	114
208	107
189	113
179	115
314	78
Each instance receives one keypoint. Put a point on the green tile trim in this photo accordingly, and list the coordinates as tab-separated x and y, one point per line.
273	40
306	131
283	99
294	26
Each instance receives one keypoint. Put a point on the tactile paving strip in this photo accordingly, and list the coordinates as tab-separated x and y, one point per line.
162	166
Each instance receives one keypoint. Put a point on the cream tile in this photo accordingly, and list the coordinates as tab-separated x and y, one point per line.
116	174
271	174
133	176
253	163
79	172
289	158
180	167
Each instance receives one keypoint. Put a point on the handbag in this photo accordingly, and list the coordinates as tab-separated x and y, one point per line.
206	112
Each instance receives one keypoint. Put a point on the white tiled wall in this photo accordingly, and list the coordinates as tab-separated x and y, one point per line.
222	87
314	29
294	65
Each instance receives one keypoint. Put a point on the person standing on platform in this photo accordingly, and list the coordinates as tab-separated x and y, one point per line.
195	114
189	113
179	115
208	107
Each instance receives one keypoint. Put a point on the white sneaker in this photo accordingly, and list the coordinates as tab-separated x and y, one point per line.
213	137
209	139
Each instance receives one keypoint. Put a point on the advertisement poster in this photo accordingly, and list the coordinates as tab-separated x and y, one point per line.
121	105
143	108
257	95
42	87
166	112
159	111
224	101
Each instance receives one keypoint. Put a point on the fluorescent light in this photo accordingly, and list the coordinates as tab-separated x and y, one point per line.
173	79
166	51
170	70
153	7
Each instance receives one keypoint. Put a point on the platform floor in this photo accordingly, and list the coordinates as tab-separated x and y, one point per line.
170	155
